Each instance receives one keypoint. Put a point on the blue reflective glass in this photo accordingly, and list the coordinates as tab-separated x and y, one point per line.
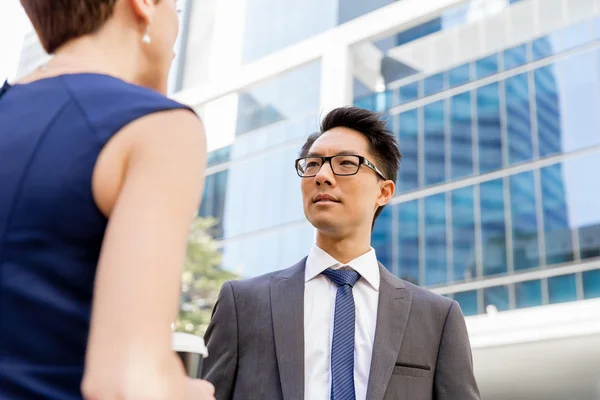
486	66
409	92
591	284
267	252
366	102
528	294
263	104
542	48
408	140
562	289
271	25
247	191
463	235
520	147
596	29
579	94
459	75
581	212
496	296
468	302
548	111
515	57
488	124
435	160
572	36
213	201
408	240
559	247
219	156
436	270
419	31
434	84
381	237
461	136
524	221
493	227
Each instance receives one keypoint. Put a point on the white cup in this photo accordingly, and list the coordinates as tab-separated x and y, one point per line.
192	352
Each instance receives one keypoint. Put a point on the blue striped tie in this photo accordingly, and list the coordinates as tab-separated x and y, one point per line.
342	346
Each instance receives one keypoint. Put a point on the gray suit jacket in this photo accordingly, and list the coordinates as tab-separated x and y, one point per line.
256	342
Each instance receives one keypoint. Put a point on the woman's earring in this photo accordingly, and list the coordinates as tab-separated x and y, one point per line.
146	39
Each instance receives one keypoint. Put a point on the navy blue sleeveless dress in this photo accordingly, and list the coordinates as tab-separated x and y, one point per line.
51	133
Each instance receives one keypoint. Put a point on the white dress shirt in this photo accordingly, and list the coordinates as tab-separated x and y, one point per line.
319	310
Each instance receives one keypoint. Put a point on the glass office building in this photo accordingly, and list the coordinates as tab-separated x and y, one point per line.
495	104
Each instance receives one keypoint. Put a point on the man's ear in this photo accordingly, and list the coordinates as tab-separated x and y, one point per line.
386	192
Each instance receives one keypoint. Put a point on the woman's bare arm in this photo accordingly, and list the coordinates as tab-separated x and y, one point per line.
149	180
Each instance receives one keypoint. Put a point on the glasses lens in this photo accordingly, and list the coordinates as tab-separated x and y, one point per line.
309	166
345	165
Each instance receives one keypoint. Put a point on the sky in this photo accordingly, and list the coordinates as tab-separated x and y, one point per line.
12	29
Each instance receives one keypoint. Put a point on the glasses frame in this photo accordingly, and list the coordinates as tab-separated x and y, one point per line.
362	161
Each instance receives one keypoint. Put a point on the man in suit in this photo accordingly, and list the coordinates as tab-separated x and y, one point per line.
338	325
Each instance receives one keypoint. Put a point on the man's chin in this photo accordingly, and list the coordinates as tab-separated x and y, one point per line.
327	224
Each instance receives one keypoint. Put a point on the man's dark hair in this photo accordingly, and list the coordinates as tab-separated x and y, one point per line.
382	142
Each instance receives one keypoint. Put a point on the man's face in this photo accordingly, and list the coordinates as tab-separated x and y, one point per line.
353	199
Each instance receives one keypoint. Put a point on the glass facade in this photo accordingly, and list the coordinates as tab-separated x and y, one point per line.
494	205
246	172
505	142
271	25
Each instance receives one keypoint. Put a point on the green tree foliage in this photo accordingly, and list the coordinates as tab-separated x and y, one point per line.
201	280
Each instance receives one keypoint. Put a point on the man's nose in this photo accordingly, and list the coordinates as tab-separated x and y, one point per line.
325	176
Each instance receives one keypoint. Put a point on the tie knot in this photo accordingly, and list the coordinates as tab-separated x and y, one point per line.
342	277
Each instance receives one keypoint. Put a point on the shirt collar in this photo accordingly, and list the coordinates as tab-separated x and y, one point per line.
366	265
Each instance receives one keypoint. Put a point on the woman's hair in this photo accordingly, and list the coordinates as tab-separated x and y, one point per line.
58	21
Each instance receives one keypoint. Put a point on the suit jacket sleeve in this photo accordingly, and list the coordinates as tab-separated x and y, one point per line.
454	377
222	342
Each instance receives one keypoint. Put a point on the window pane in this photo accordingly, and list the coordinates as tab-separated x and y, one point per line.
213	201
493	228
461	136
562	289
581	198
486	66
409	92
463	234
496	296
572	36
219	156
408	240
515	57
528	294
517	118
548	111
258	254
381	237
542	48
434	84
591	284
568	98
262	104
488	123
408	132
524	221
435	240
435	167
467	302
459	75
559	247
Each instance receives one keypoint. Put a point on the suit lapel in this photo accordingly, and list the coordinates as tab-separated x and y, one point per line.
392	316
287	306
